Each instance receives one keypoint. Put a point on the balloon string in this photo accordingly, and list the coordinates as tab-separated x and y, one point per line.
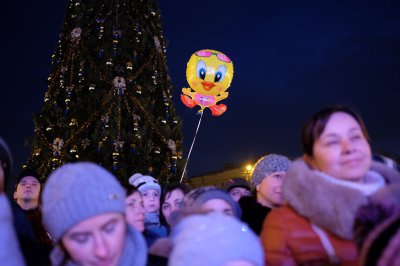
191	147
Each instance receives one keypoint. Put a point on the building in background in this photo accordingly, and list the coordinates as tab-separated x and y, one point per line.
220	178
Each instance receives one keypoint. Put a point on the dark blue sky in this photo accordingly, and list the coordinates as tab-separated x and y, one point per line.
290	58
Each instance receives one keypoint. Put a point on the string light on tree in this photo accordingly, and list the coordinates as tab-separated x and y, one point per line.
108	98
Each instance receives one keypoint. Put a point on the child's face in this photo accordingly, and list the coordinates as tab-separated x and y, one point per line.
151	200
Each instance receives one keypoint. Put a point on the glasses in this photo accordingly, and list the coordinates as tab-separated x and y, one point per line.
208	53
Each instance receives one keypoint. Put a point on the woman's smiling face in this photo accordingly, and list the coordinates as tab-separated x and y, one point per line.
342	150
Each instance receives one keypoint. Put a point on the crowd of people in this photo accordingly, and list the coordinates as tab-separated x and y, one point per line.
337	204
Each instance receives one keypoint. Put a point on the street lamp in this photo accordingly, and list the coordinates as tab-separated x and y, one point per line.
248	168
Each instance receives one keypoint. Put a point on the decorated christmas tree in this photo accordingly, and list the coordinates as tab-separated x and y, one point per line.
109	94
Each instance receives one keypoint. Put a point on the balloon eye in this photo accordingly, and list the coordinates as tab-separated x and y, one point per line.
220	74
201	69
202	73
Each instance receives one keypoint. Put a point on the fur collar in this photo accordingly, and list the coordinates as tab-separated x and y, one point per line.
329	204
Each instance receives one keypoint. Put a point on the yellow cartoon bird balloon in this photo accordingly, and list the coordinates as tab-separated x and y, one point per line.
209	74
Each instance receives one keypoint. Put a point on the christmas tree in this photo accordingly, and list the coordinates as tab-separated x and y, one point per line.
109	94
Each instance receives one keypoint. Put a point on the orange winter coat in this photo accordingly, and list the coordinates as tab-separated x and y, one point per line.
288	239
313	198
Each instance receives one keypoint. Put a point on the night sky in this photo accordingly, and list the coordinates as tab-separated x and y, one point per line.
290	59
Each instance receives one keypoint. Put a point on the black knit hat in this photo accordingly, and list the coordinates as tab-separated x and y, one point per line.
236	182
6	160
27	172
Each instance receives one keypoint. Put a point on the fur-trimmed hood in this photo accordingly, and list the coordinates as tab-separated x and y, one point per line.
327	202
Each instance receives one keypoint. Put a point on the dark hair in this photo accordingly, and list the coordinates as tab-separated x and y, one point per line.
315	125
27	172
130	190
166	191
380	240
171	187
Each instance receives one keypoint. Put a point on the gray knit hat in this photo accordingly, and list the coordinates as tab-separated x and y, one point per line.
213	239
78	191
144	182
267	165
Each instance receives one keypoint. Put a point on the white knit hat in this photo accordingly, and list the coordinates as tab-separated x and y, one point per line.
213	239
144	182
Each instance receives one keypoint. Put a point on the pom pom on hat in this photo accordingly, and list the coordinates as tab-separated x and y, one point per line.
144	182
75	192
213	239
268	165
